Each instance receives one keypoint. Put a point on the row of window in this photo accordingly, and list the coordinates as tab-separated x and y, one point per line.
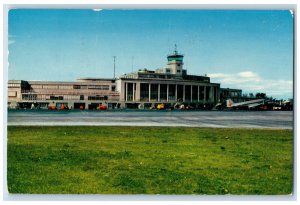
97	97
56	97
188	92
65	97
41	97
29	97
141	75
69	87
235	94
96	87
14	85
168	71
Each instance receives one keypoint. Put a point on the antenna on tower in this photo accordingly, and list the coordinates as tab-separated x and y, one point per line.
114	67
175	51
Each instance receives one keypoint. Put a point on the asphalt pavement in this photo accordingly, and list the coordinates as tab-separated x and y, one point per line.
229	119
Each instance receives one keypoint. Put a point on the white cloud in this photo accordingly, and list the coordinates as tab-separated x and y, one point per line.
97	9
251	82
217	75
247	74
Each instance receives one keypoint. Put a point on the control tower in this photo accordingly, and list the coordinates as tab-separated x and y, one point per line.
175	62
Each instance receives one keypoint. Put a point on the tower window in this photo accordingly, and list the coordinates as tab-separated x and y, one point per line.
178	71
178	64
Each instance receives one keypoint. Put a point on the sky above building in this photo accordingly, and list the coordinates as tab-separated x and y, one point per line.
250	50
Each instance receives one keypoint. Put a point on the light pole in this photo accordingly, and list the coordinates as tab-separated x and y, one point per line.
114	67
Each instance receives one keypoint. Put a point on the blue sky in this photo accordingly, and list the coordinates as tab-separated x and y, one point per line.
250	50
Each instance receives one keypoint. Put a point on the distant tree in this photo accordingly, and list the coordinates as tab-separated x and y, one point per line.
251	95
271	99
261	95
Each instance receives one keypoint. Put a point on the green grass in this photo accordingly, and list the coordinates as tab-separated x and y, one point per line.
149	160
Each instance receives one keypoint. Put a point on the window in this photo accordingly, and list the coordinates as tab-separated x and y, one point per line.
65	87
178	71
144	90
76	86
91	97
54	87
97	97
29	97
71	97
81	97
99	87
12	94
113	88
52	97
83	87
37	86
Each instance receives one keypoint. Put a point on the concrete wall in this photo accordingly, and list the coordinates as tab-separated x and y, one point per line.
174	66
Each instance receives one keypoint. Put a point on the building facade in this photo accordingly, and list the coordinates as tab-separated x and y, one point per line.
145	88
170	85
84	93
234	94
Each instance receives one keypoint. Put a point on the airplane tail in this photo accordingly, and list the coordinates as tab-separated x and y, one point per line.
229	103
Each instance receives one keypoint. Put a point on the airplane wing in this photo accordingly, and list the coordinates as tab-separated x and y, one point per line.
246	103
254	105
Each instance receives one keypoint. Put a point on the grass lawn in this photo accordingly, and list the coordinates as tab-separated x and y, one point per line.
149	160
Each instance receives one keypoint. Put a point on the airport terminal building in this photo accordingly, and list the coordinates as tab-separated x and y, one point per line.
168	85
145	88
86	93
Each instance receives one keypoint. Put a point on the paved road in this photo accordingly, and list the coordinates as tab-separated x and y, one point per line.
255	119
